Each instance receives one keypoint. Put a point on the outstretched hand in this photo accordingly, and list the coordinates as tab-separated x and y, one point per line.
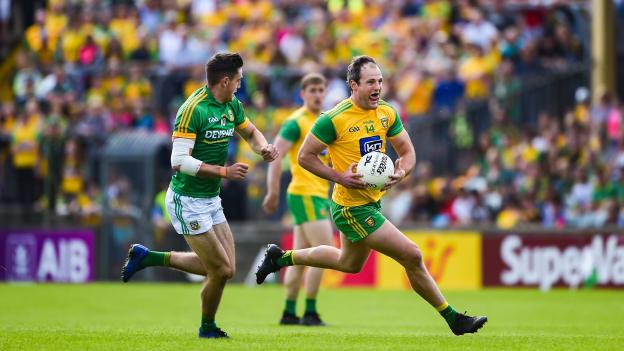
269	152
270	203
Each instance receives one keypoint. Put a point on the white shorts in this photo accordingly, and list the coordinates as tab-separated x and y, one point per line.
193	215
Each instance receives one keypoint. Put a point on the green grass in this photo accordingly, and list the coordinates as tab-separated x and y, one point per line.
166	316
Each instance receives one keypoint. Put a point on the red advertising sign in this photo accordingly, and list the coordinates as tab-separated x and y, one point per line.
547	260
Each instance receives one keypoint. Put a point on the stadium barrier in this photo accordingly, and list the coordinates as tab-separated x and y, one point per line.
469	260
457	259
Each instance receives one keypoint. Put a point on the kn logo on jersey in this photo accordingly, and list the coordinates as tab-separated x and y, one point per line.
370	144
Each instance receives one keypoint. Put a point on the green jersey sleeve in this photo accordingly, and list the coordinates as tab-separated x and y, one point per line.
240	120
187	120
290	131
324	130
396	127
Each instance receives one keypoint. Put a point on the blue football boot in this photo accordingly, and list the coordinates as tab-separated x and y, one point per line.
133	263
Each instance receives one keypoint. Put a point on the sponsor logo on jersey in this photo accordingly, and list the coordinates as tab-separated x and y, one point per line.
219	134
384	122
354	129
370	144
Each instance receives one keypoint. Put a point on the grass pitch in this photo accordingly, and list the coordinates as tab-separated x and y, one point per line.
139	316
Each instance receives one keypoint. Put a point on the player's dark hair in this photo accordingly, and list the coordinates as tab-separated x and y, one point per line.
312	79
223	64
355	68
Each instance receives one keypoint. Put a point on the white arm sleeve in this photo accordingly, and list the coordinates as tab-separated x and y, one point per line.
180	156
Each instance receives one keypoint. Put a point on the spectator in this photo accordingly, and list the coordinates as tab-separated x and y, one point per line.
97	71
25	153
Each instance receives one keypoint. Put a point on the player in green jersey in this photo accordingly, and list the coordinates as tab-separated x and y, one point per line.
204	125
307	200
356	126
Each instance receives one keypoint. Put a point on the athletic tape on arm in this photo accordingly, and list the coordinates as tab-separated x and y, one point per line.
180	156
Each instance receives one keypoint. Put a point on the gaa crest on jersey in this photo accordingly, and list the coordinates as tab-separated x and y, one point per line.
384	122
194	225
370	221
223	120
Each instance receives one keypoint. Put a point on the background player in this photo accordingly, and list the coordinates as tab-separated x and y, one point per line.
204	125
354	127
307	199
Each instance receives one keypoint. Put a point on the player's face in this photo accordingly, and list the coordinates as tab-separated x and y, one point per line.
313	96
231	85
368	92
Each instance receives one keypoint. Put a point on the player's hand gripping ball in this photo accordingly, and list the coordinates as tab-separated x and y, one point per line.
376	169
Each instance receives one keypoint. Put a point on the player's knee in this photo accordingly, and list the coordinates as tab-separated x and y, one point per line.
352	267
227	273
222	273
412	257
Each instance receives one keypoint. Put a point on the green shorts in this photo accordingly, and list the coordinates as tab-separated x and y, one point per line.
357	222
307	208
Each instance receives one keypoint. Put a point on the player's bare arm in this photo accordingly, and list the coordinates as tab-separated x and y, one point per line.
403	146
309	159
182	161
274	174
258	142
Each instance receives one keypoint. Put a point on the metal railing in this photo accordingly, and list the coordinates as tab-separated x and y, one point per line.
552	93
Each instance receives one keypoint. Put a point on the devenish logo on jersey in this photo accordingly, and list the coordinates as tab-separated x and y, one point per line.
219	134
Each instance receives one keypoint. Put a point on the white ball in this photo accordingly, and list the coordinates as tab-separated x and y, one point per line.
376	169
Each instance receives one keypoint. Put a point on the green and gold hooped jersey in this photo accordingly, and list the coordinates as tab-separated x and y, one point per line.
211	124
351	132
295	129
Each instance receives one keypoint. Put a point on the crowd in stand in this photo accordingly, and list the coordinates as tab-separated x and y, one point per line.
89	69
566	172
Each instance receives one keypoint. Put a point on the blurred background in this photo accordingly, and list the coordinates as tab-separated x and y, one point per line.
513	107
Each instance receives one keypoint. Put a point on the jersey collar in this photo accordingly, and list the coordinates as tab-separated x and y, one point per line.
209	97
